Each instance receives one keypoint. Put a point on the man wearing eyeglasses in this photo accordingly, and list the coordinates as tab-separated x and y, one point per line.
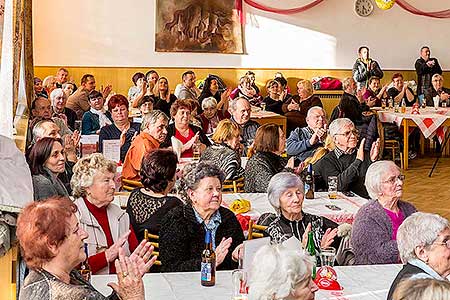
347	161
438	90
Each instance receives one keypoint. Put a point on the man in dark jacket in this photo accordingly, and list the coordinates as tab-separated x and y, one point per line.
347	161
241	110
426	67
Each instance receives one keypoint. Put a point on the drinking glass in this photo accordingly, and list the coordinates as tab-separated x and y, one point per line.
332	187
239	285
327	256
196	151
263	106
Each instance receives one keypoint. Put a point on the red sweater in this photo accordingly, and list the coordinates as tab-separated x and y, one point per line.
98	261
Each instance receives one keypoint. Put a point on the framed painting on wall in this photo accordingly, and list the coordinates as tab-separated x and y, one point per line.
198	26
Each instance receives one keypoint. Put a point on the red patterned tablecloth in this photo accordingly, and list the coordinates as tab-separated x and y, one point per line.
429	121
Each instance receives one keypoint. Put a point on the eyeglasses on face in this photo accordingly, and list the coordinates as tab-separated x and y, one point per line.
446	243
393	179
347	134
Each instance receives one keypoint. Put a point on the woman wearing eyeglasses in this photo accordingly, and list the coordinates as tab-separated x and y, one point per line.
424	246
374	233
348	161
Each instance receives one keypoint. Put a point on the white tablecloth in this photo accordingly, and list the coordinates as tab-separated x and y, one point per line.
348	206
359	282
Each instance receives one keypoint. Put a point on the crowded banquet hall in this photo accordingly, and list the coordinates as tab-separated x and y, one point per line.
224	149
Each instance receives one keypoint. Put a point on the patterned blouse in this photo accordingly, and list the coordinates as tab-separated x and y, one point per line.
146	211
42	285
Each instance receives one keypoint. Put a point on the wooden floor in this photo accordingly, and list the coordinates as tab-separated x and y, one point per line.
428	194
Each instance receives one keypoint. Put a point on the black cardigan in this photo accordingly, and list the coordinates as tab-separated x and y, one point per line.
182	239
351	172
407	271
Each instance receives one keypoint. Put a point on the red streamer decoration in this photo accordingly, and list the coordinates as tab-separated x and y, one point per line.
442	14
283	11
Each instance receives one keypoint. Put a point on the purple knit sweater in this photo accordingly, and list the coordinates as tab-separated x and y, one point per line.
372	234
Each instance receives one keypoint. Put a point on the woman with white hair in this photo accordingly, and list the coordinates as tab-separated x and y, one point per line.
347	161
281	273
286	193
211	115
374	233
108	226
424	246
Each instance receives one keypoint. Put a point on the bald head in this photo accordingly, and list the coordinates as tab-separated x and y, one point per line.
45	128
316	117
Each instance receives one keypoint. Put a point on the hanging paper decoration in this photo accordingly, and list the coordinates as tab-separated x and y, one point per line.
282	11
442	14
385	4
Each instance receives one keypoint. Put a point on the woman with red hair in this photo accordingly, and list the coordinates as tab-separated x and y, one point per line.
122	129
52	245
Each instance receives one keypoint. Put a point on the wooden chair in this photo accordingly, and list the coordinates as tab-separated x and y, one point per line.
233	186
251	230
153	239
130	185
390	145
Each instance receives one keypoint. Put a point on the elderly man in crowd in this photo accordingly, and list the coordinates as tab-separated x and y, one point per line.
437	89
153	133
241	110
347	161
352	104
62	76
41	109
303	142
59	100
426	67
400	91
79	101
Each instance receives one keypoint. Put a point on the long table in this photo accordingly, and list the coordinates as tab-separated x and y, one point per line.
358	282
431	122
341	210
265	117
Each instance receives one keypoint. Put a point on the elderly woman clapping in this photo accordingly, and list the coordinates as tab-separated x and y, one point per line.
286	193
374	234
183	229
181	128
108	226
280	273
424	246
51	241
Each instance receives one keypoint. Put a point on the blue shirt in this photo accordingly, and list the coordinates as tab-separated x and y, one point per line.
212	225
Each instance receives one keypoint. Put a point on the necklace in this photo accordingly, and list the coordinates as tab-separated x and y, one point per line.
98	248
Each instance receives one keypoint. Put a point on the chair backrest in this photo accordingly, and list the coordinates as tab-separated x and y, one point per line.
233	185
130	185
153	239
252	227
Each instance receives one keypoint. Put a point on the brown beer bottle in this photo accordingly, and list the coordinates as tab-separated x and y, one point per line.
85	268
208	269
309	183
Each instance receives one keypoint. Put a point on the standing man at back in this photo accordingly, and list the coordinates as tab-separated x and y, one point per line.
426	67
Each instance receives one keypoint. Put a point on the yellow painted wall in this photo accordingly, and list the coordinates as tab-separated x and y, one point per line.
120	77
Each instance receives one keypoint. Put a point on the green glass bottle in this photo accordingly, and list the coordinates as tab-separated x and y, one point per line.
311	249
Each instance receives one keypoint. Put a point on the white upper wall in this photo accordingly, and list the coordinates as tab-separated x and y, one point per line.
121	34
